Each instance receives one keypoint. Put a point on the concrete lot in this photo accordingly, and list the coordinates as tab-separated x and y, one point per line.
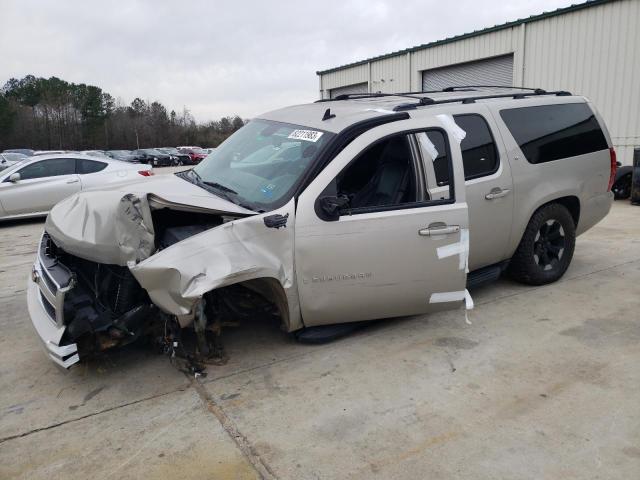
543	385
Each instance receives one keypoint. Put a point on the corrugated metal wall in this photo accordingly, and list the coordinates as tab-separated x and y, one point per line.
342	78
501	42
390	75
593	52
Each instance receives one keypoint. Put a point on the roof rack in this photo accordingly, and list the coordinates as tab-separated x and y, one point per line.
430	101
424	100
453	89
355	96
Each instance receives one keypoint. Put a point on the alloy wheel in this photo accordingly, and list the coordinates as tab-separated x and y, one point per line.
549	245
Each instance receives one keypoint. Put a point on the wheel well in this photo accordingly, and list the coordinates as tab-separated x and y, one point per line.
571	203
267	289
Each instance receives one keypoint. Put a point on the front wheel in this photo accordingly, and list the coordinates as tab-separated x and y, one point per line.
546	248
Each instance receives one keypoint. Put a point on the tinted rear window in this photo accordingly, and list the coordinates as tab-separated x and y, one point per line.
89	166
479	153
551	132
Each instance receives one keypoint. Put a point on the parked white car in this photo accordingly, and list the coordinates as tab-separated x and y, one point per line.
32	187
10	159
49	152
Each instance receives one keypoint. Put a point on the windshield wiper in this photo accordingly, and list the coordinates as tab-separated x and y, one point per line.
220	187
223	191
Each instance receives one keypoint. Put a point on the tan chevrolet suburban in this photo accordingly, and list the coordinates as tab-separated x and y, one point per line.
363	207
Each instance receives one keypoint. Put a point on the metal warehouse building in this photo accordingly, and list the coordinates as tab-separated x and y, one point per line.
590	49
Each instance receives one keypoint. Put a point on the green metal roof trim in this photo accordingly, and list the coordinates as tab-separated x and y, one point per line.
475	33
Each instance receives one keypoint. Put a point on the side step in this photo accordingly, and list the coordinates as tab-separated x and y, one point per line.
483	276
327	333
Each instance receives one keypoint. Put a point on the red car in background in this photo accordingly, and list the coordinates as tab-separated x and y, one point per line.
196	153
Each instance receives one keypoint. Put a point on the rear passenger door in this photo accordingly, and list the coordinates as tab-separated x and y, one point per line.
489	188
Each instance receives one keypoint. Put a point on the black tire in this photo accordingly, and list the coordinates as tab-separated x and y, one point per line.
622	188
546	248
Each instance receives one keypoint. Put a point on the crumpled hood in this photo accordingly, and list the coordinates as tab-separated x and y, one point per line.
113	225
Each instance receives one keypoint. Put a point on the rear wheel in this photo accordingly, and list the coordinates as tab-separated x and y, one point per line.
546	248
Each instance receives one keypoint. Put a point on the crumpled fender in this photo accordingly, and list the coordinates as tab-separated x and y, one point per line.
237	251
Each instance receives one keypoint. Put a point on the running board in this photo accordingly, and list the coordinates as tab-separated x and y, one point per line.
483	276
327	333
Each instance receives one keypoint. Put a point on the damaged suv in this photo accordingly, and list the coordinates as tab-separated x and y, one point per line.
359	208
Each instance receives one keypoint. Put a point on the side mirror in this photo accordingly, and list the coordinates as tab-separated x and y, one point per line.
14	177
330	207
618	164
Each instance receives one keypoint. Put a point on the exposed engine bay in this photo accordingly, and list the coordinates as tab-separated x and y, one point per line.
105	306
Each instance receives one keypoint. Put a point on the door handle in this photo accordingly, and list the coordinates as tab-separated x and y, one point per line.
439	229
73	180
497	193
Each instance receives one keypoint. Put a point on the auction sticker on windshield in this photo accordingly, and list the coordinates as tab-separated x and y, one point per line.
307	135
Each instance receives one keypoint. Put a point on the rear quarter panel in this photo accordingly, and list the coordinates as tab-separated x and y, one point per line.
584	176
111	174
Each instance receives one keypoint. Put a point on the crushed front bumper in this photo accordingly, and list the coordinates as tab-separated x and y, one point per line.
45	302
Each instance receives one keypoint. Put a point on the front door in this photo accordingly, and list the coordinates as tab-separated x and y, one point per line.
391	250
42	184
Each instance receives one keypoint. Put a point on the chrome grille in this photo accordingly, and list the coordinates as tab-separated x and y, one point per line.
50	309
52	293
53	288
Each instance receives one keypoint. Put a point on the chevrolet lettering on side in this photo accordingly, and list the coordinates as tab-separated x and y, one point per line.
363	207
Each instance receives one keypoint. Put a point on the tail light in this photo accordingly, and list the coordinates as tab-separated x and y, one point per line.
614	167
146	173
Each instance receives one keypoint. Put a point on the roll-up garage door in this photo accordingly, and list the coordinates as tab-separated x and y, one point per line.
489	71
355	88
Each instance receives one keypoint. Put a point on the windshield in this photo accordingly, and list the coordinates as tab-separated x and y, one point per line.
151	151
260	165
12	157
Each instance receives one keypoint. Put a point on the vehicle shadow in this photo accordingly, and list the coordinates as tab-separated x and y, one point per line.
22	221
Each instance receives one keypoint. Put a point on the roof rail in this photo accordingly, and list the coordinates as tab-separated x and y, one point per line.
453	89
354	96
429	101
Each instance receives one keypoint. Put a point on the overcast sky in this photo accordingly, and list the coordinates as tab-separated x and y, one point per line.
225	57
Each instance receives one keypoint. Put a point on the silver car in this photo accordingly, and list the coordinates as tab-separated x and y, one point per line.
31	187
365	207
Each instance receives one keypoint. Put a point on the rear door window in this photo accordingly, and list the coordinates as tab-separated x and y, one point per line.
479	152
439	154
551	132
89	166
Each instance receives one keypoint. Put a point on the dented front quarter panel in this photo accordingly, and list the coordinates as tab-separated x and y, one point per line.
237	251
